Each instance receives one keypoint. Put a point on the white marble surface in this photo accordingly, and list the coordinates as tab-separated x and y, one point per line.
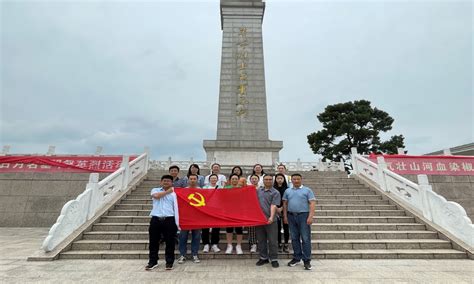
243	158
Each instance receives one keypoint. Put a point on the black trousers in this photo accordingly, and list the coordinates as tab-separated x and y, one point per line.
162	228
214	236
286	230
238	230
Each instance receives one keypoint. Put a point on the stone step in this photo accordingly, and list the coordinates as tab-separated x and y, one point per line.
318	202
246	174
351	202
319	196
318	207
314	185
317	235
132	213
305	174
135	196
316	254
351	221
364	219
356	207
360	213
348	197
368	226
313	180
317	219
314	226
315	244
331	191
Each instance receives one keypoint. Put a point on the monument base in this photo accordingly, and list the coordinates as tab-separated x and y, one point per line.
243	153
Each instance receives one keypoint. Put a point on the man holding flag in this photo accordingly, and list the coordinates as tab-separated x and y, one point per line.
193	182
163	223
267	235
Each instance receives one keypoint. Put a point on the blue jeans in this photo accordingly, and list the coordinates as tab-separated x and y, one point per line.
300	233
195	240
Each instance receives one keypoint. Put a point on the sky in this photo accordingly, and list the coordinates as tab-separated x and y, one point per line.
128	74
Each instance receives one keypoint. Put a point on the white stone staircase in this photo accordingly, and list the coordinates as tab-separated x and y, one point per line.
351	221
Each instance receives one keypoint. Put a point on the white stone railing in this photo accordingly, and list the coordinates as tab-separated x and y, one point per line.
96	195
164	165
291	166
420	197
313	166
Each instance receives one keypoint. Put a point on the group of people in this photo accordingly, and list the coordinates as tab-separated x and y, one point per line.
287	204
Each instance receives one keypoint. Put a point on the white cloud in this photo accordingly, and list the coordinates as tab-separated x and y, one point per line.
125	75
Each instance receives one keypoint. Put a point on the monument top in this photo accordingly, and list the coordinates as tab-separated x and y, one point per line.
232	7
242	2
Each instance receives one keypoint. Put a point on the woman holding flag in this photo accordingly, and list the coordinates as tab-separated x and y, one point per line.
234	183
213	244
254	179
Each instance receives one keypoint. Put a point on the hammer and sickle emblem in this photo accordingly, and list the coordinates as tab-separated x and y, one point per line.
198	202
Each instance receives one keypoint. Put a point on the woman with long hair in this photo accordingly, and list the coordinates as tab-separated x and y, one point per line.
281	185
254	179
194	170
258	171
237	170
281	169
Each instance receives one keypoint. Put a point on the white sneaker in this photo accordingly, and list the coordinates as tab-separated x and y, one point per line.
182	259
206	248
229	249
215	248
196	259
253	249
238	249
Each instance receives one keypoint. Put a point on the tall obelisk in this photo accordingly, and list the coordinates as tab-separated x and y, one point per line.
242	128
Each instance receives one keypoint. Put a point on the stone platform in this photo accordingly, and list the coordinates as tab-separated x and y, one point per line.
352	221
16	244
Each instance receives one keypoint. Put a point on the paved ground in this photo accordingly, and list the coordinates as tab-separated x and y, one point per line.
16	244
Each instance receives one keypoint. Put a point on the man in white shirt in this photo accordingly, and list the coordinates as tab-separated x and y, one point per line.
162	223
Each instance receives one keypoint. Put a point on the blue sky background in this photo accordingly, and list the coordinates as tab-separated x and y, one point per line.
124	75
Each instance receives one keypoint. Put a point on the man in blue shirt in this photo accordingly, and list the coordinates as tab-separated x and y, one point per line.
177	182
163	223
298	210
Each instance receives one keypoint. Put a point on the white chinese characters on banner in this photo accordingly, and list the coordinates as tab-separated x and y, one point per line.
60	163
437	165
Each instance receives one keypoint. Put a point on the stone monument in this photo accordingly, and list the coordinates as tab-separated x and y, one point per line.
242	127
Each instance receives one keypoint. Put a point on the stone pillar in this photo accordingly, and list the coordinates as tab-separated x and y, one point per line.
242	127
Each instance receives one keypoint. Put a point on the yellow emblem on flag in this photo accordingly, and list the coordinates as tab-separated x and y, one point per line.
198	202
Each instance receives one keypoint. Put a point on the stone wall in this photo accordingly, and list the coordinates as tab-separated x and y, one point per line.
36	199
459	189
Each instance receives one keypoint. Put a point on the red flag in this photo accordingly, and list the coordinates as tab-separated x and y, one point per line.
218	208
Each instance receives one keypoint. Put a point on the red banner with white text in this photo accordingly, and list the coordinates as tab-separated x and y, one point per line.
428	165
74	164
219	208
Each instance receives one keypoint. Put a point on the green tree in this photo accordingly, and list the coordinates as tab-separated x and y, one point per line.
353	124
